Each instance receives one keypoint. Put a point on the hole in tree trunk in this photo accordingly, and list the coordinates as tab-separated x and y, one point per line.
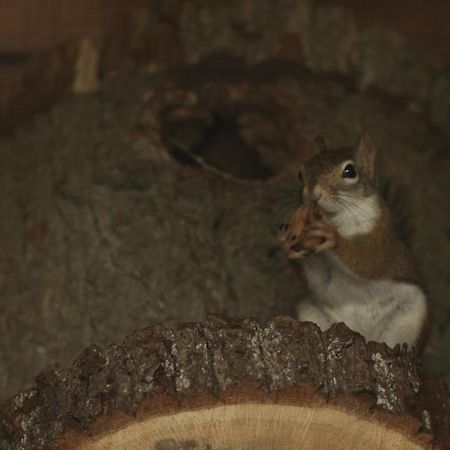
218	143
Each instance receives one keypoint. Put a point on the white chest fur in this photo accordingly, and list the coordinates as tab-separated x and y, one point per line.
381	310
357	215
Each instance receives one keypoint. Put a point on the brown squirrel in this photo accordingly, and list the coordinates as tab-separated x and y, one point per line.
357	269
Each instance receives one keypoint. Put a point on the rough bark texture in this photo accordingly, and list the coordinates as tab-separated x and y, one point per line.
166	369
106	227
127	207
322	37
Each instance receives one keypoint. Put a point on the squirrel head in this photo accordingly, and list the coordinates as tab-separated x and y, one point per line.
337	179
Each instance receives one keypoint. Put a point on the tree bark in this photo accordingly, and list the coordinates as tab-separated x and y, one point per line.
233	384
110	224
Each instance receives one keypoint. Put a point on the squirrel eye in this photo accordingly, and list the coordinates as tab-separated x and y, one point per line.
349	171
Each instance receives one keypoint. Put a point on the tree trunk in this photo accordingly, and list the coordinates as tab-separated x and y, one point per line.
233	385
153	200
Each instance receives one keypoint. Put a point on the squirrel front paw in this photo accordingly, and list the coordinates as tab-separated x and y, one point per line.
292	243
307	232
321	231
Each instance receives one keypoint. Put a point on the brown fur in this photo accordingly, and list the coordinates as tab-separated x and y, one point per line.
379	254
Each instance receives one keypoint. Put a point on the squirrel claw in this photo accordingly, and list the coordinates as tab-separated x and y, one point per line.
326	245
323	231
290	244
294	253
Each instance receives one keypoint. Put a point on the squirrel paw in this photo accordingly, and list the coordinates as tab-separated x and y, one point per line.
323	231
291	243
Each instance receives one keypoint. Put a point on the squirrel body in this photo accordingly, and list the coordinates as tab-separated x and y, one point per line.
360	273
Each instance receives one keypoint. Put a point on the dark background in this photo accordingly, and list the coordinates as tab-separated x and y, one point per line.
149	149
29	25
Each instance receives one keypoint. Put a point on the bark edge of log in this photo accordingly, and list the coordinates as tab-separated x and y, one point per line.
158	371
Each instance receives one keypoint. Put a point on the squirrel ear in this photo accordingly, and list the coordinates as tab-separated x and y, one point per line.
365	155
320	144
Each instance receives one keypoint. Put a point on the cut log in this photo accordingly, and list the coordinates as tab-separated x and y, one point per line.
258	426
233	385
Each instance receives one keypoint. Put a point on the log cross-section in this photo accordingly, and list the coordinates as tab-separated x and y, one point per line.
233	384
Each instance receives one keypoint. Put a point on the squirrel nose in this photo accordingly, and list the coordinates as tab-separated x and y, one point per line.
313	195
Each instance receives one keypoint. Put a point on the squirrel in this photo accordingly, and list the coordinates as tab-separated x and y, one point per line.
357	269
